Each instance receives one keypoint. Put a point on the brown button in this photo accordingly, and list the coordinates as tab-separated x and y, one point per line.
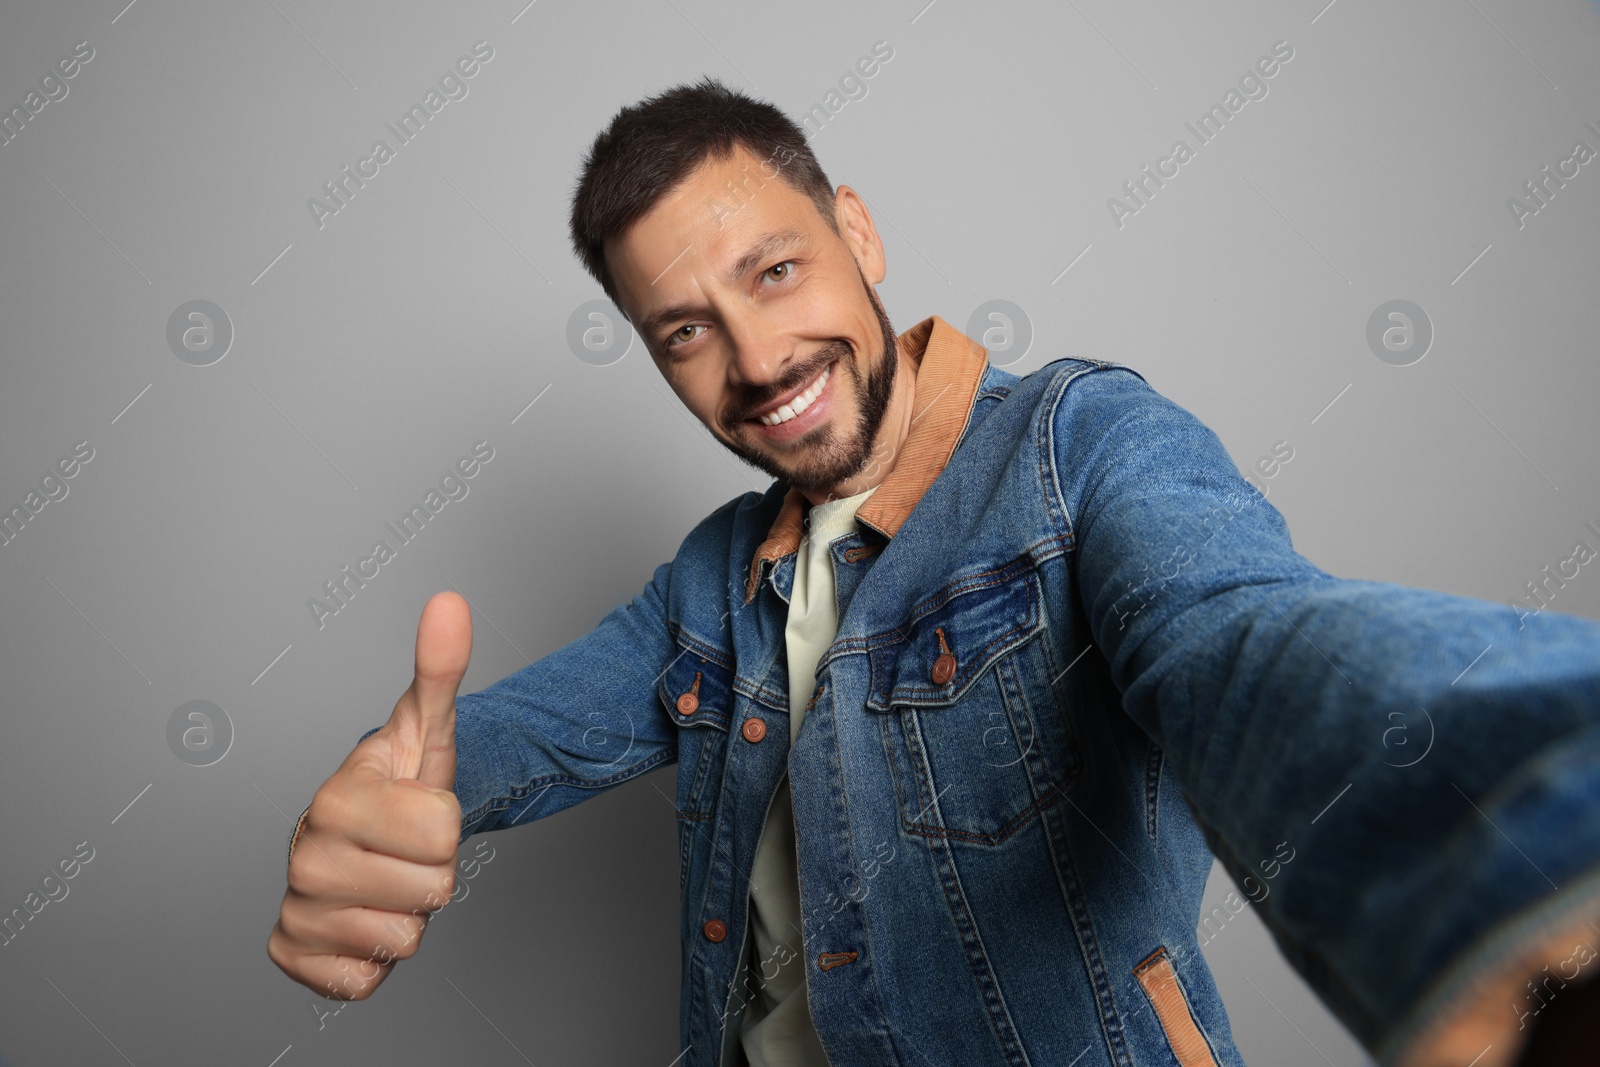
715	930
689	700
753	730
944	668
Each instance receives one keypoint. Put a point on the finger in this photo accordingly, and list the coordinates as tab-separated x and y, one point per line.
404	819
368	934
426	714
356	876
330	975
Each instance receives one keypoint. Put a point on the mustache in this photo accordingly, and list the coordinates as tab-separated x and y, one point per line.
827	354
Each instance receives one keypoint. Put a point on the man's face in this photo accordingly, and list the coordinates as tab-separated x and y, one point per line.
753	307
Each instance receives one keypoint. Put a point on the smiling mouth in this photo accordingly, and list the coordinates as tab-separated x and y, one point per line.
798	404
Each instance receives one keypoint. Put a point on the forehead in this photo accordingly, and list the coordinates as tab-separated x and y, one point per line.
704	223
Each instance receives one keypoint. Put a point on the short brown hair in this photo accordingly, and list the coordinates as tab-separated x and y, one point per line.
652	146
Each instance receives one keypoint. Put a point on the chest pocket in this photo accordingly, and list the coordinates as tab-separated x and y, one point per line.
696	689
976	739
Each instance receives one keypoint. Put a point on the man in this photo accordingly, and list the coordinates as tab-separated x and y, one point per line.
965	703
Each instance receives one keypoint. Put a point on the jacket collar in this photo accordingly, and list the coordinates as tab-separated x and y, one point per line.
949	367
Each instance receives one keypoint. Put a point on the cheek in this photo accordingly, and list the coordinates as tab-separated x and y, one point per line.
708	403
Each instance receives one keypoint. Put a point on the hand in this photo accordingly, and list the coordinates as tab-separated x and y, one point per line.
375	856
1535	1008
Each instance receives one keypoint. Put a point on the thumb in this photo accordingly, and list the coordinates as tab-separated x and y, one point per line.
425	716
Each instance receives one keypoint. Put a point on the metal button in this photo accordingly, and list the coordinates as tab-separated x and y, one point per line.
715	930
689	701
753	730
944	668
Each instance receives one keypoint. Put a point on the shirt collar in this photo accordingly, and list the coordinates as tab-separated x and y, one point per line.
949	368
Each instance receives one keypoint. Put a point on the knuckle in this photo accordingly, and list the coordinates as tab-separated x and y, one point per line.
347	986
355	979
366	986
278	951
293	923
451	804
407	936
406	949
332	807
441	840
301	880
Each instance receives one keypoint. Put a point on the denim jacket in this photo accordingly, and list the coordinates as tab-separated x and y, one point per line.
1077	657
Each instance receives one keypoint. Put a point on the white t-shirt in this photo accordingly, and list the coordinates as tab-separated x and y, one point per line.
776	1029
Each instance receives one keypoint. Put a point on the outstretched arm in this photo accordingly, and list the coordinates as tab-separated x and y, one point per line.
1434	760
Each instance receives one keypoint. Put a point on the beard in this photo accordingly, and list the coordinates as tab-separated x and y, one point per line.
825	456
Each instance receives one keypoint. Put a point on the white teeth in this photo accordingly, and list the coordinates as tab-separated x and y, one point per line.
799	403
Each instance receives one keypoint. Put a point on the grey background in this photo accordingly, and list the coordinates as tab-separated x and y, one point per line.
433	309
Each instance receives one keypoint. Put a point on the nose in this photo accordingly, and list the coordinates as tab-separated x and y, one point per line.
759	354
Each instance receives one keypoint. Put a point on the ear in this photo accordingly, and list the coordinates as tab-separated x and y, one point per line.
859	234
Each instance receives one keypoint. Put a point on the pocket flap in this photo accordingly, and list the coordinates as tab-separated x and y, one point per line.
953	637
696	690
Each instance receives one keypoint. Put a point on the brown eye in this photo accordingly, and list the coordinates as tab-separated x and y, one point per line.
784	267
679	335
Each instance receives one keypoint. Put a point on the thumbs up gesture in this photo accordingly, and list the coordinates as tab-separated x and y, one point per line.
375	854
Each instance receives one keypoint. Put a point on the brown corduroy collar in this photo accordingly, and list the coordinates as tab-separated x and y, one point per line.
949	367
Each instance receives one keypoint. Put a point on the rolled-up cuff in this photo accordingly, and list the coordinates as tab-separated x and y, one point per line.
1484	1002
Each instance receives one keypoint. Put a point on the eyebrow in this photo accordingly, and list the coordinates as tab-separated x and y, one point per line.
765	247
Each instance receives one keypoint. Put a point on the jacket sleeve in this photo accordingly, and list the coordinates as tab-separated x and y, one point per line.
580	720
1404	782
567	726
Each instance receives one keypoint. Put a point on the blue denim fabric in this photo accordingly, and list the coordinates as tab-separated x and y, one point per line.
1146	673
